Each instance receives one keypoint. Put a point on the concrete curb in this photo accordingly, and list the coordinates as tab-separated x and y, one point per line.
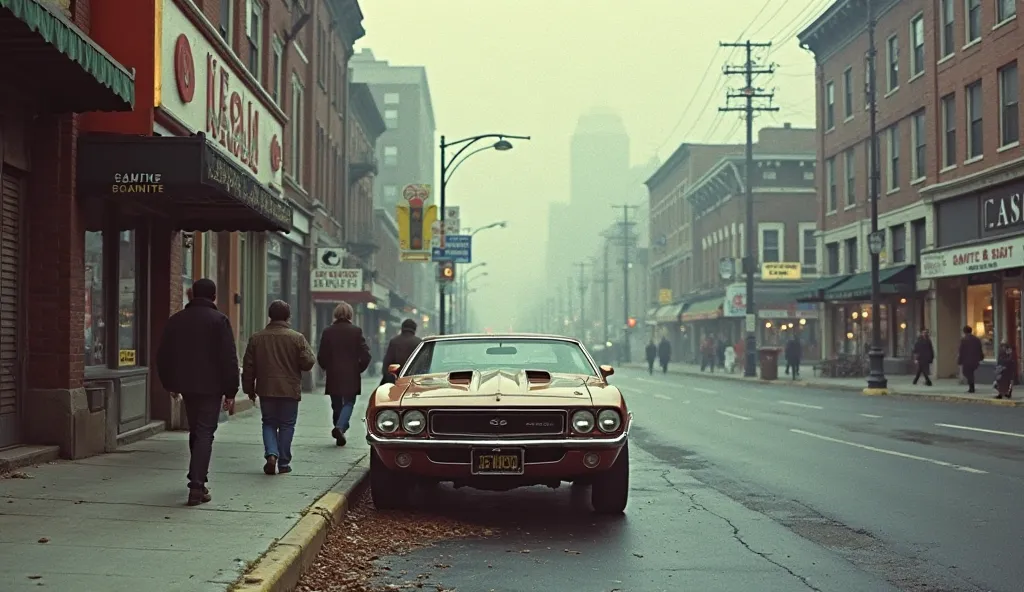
889	392
280	568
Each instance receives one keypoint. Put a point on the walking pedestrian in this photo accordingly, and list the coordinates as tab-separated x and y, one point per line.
652	354
707	354
400	347
272	368
794	352
720	352
344	356
664	354
730	358
197	359
970	356
924	355
1006	371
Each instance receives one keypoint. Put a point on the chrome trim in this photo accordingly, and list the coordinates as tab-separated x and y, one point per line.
510	336
510	410
567	442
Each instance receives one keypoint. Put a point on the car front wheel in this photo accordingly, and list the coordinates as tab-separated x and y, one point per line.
610	490
387	488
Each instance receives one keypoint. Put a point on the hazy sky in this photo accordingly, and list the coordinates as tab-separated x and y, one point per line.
532	67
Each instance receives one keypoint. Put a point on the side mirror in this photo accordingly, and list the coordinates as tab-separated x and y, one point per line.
606	370
394	368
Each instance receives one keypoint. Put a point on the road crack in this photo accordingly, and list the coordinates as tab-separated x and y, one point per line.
736	532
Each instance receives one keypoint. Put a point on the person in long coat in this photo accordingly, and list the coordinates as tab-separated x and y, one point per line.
924	355
652	355
400	348
344	356
664	353
794	353
969	356
1006	372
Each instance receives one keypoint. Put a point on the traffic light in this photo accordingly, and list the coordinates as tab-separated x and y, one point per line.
631	322
446	271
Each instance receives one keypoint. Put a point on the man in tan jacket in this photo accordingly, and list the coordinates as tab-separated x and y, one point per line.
272	370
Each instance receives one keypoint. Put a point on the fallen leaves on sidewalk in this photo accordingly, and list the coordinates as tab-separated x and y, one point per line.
346	561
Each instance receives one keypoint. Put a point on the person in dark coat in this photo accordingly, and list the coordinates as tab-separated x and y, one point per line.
1006	372
924	355
344	356
794	353
400	348
664	353
651	352
198	360
969	356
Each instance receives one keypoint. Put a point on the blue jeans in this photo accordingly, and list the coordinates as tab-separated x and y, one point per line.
279	415
341	408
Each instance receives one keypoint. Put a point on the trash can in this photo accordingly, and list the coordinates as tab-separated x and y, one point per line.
769	357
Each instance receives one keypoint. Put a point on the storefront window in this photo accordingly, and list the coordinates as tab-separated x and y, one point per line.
95	354
906	332
187	267
275	278
127	300
293	286
210	246
1012	324
980	317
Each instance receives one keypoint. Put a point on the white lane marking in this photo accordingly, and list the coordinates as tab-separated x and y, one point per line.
941	463
871	416
996	432
703	390
800	405
662	397
732	415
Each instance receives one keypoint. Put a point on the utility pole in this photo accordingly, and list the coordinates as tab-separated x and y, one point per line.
606	280
583	294
568	302
749	93
626	238
876	242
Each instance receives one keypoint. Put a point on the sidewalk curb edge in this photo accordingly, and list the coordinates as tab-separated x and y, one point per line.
281	567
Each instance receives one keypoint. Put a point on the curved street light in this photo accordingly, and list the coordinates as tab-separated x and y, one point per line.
448	167
463	292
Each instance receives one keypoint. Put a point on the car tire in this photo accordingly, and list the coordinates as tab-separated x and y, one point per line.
610	490
387	488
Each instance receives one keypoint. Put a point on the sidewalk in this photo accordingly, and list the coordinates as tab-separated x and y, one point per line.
118	522
943	389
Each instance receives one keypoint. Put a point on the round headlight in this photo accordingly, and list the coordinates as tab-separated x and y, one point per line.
413	422
387	421
608	421
583	422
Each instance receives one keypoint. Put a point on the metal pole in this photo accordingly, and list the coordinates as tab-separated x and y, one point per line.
607	243
440	288
750	234
625	285
876	356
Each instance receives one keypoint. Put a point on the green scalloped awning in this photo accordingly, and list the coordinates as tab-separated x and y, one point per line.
112	85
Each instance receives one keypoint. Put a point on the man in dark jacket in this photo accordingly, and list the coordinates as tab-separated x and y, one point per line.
400	348
970	356
272	368
924	355
198	360
344	356
652	354
794	353
664	353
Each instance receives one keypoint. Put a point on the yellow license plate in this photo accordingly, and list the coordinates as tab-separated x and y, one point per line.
497	462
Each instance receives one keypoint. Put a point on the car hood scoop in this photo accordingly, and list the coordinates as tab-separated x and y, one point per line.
501	385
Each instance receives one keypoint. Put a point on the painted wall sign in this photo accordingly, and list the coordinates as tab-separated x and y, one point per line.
1002	211
994	256
240	120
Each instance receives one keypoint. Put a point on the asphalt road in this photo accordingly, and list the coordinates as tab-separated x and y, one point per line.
740	486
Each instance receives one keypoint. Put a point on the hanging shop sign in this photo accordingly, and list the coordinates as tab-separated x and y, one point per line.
336	280
780	271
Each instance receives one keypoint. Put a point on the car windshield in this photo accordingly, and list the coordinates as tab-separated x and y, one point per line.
552	355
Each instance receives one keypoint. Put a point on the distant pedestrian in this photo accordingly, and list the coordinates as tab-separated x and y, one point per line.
707	354
400	348
720	352
197	358
1006	372
970	356
924	355
344	356
652	355
272	368
664	354
730	358
794	353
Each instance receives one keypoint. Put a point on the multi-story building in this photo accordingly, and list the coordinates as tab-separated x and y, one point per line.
700	264
949	174
405	154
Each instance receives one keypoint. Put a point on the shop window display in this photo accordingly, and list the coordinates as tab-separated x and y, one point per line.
127	299
95	327
981	317
1012	322
906	333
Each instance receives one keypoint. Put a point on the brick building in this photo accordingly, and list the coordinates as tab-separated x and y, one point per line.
700	192
950	174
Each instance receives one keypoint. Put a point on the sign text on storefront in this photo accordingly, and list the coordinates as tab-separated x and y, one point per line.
967	260
336	280
781	271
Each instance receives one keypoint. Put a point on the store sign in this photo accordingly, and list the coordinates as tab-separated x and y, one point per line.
995	256
330	258
735	304
665	296
781	271
336	280
1003	211
210	92
137	183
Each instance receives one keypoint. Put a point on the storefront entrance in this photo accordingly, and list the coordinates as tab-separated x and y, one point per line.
11	185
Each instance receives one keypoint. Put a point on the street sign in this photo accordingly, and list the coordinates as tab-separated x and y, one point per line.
876	242
451	220
457	248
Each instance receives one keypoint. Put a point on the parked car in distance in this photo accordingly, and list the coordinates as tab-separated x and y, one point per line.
497	412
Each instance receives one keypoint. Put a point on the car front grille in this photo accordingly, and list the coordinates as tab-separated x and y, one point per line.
500	423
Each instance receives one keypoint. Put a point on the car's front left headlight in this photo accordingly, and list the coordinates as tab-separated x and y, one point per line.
583	422
387	421
414	422
609	420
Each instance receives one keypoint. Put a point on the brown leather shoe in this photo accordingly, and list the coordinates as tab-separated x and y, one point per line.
271	467
198	496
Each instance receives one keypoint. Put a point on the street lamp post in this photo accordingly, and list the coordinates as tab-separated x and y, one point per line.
448	167
464	292
876	240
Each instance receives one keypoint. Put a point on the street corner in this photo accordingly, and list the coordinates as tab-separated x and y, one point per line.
282	566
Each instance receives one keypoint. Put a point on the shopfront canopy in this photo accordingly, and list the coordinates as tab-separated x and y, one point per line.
815	291
899	279
703	310
57	64
668	314
185	180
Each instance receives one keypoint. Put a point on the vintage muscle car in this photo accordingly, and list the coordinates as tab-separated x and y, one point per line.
498	412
